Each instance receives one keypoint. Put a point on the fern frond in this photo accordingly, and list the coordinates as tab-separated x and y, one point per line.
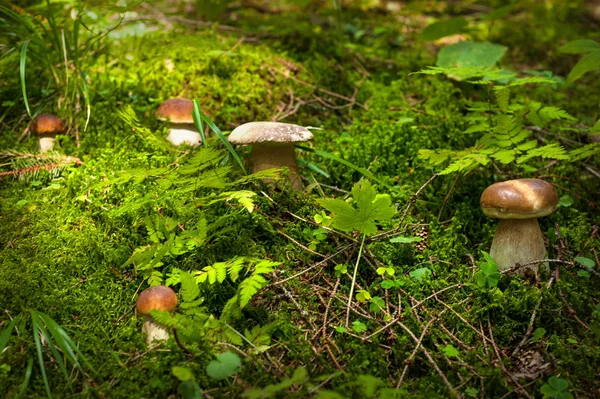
502	97
249	287
553	151
584	152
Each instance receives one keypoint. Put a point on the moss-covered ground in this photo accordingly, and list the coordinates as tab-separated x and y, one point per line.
67	237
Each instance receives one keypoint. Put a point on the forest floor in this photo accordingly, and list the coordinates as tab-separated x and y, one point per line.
372	282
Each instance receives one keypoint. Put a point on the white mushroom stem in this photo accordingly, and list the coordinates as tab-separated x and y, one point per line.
46	143
154	331
276	155
518	241
184	133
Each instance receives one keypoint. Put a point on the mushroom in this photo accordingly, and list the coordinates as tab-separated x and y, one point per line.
159	297
272	146
46	127
178	111
518	204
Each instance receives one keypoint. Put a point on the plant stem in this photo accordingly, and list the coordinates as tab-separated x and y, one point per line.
362	244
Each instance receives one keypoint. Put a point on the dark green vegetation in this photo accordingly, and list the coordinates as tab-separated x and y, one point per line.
431	318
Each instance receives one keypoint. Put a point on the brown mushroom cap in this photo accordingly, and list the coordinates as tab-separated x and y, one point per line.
159	297
269	132
176	110
519	199
47	124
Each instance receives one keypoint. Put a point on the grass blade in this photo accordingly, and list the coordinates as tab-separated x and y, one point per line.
38	347
6	333
332	157
220	135
312	167
64	342
25	382
22	70
198	123
39	324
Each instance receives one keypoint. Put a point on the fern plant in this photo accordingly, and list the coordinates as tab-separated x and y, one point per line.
502	125
196	324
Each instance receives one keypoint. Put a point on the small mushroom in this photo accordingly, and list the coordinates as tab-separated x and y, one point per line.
46	127
518	204
159	297
272	146
178	111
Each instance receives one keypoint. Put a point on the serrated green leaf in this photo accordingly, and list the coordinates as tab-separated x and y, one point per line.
372	207
189	287
470	54
450	351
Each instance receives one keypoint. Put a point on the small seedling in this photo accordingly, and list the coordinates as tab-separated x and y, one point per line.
488	275
556	388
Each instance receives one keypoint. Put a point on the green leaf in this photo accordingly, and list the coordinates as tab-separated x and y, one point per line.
420	274
358	326
23	60
538	334
341	329
441	29
189	287
189	389
587	262
224	366
372	207
580	47
182	373
405	240
566	201
470	54
590	62
450	351
558	384
335	158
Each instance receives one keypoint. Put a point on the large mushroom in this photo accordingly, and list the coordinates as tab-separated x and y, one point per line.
159	297
518	204
272	146
178	111
46	127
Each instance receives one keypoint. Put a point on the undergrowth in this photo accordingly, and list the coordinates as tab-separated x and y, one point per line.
374	283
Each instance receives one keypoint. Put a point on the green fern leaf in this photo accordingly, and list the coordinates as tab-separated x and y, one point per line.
235	268
189	287
584	152
553	151
502	97
249	287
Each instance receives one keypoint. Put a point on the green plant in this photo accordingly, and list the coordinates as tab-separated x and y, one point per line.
590	62
500	125
47	335
371	208
59	46
556	388
488	274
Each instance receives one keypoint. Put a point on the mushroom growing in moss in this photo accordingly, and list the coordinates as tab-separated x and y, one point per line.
272	146
159	297
178	111
518	204
46	127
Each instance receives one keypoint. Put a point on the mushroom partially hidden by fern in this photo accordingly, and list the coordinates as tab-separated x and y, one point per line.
159	297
